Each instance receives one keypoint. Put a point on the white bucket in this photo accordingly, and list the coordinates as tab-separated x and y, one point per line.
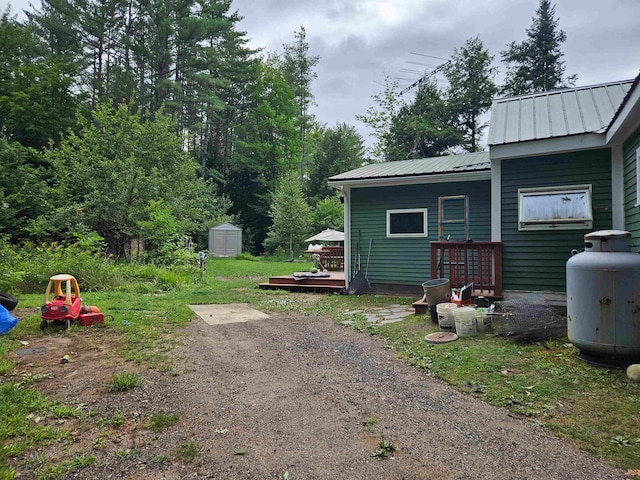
465	322
445	315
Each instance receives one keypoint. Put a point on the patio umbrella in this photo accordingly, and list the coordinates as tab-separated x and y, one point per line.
327	235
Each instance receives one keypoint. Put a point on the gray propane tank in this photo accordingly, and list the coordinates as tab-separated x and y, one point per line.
603	299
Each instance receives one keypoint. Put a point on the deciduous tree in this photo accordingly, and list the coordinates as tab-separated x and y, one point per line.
341	148
110	176
424	128
471	89
380	118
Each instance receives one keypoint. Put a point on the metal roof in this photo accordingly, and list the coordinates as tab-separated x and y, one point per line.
466	162
558	113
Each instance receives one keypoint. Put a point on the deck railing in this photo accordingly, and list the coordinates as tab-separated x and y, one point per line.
466	262
332	257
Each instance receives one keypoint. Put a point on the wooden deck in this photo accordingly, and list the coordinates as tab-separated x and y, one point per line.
334	283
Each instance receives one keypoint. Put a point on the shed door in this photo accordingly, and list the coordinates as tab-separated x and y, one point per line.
219	243
453	218
231	246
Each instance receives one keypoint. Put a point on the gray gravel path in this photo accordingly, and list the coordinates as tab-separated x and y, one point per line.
295	394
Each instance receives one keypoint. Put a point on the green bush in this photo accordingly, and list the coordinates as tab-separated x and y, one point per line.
246	256
27	269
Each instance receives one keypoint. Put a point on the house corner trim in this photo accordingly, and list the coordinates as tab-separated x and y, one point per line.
617	187
496	200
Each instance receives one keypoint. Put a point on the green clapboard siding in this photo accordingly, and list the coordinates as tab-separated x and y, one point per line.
631	209
536	260
406	261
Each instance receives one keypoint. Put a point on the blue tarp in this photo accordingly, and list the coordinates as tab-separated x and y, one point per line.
7	321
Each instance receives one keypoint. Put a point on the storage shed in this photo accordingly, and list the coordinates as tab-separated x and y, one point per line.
225	240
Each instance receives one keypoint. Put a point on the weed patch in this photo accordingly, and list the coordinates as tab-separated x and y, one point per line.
124	380
159	421
188	451
385	449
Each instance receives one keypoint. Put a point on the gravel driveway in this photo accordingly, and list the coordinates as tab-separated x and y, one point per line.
303	398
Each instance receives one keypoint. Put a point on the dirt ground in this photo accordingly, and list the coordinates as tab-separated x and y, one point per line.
288	397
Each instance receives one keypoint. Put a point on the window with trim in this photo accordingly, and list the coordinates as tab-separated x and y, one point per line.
408	222
638	176
555	208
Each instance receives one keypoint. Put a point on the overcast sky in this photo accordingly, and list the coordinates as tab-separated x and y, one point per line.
362	41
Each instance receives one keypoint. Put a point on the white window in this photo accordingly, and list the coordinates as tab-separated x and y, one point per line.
638	176
555	208
409	222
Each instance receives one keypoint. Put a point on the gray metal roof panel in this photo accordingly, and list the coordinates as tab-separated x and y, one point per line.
554	114
466	162
590	114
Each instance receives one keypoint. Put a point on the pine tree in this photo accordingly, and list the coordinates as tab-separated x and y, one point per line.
265	149
297	65
535	64
291	217
471	89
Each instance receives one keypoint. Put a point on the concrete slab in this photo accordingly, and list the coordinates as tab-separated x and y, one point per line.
228	313
31	350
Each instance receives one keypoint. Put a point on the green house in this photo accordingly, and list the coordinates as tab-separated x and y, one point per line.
560	164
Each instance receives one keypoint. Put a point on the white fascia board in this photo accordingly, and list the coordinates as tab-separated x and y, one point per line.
414	180
627	120
548	146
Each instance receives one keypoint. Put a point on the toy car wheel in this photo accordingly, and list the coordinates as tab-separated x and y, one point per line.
43	324
7	301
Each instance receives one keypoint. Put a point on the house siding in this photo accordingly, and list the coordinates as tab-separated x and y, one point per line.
631	209
536	260
406	261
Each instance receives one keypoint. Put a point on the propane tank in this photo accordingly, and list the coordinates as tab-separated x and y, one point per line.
603	299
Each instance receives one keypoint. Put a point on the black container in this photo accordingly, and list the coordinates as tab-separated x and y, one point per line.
434	314
7	301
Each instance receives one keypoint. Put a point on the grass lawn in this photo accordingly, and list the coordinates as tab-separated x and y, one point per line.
544	382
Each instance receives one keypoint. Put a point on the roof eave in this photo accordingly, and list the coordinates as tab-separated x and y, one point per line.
469	176
548	146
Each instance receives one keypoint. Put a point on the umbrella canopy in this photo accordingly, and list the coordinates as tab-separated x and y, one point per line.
327	235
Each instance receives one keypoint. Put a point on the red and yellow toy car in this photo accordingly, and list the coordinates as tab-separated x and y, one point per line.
66	304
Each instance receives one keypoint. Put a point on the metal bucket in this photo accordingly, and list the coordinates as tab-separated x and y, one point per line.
437	291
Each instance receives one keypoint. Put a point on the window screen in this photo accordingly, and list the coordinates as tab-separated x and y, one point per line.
555	208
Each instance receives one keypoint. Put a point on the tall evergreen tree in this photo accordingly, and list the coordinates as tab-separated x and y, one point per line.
471	89
37	99
291	217
265	150
535	64
298	66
